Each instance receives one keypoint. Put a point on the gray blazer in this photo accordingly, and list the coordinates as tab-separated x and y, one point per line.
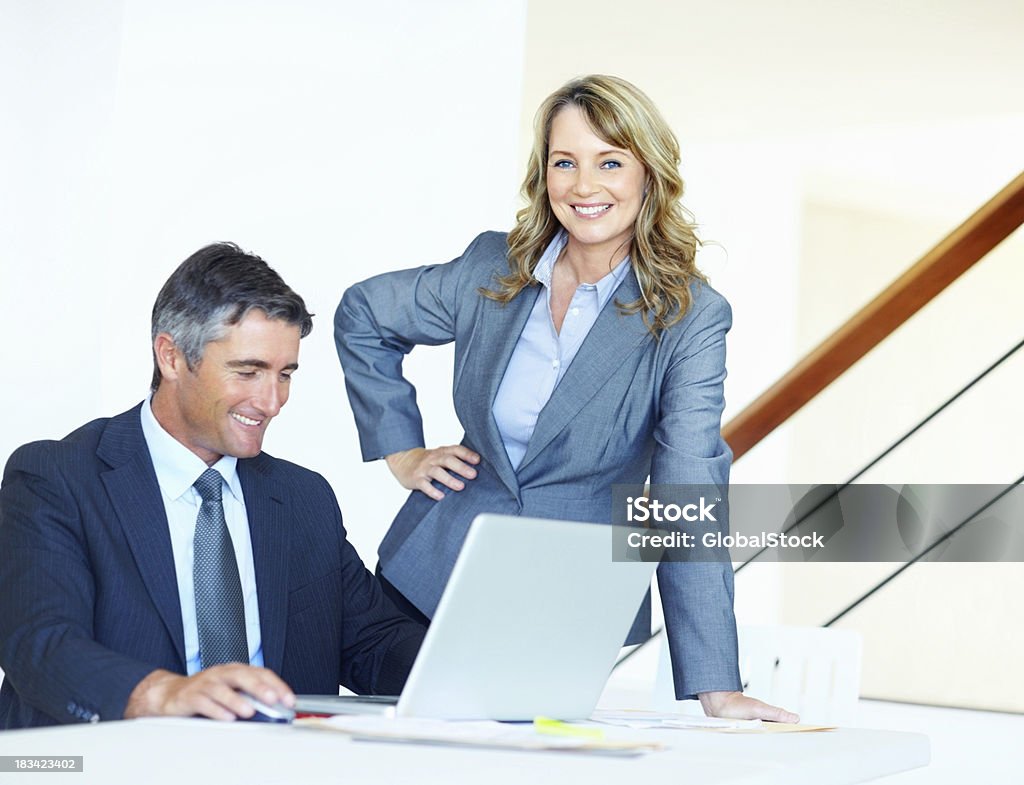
628	407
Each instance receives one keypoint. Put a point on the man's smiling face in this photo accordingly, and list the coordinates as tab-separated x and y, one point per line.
223	405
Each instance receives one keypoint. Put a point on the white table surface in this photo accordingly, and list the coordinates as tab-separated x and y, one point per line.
180	751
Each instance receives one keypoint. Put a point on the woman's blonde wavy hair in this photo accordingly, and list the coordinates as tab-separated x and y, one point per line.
664	243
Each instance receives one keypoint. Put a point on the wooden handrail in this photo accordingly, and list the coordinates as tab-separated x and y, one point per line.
938	268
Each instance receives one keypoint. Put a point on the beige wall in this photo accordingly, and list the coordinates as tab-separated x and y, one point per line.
939	633
826	146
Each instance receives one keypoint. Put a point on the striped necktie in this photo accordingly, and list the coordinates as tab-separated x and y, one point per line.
220	611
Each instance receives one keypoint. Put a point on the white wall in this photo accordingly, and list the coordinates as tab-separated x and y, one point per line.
335	139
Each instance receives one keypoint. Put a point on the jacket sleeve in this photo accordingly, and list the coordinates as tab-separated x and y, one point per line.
376	324
697	596
47	592
378	642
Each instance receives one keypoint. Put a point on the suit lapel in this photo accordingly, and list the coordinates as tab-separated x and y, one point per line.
269	529
612	338
495	339
135	495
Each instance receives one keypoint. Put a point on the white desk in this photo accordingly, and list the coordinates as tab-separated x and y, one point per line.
157	751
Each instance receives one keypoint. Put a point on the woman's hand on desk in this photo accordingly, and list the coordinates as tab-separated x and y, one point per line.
737	706
415	468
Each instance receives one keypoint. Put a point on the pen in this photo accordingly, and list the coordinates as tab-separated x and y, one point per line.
550	727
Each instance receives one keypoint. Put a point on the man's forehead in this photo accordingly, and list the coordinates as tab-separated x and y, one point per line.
258	338
257	362
256	322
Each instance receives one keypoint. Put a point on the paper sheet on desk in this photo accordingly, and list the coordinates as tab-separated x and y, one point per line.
653	719
471	734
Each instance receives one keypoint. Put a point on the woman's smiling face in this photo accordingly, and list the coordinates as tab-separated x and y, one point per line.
595	188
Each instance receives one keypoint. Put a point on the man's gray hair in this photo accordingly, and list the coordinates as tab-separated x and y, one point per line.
214	289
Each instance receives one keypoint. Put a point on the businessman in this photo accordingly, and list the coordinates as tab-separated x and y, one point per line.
159	563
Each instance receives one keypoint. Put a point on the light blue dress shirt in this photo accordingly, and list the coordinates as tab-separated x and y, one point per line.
542	355
177	468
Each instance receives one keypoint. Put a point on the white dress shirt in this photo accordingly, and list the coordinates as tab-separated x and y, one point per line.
542	354
177	468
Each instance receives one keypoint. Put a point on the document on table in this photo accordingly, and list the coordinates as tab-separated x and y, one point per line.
652	719
514	736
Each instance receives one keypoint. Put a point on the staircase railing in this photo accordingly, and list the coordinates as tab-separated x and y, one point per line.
937	269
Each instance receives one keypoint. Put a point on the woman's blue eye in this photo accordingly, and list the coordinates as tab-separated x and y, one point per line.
611	165
563	164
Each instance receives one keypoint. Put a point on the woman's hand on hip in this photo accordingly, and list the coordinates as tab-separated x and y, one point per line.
415	468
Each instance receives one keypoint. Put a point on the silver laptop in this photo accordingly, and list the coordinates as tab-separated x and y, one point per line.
529	625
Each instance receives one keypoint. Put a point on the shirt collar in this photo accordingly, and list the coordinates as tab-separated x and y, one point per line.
177	467
546	263
605	287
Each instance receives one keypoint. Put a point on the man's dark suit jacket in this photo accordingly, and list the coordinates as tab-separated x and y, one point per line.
89	599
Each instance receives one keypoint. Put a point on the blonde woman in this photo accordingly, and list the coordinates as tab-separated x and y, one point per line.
589	351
